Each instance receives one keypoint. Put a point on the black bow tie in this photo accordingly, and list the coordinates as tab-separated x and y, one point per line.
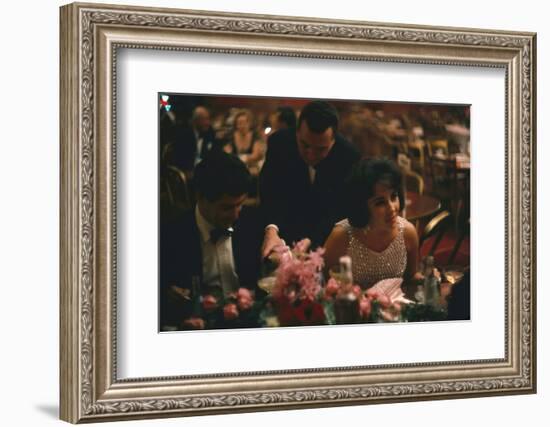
217	233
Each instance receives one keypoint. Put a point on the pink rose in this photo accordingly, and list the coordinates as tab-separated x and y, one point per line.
373	293
356	289
244	299
384	301
230	312
316	259
332	287
193	323
209	303
244	304
291	295
365	307
244	293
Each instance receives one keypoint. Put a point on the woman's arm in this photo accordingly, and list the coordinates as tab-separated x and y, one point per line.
336	246
257	152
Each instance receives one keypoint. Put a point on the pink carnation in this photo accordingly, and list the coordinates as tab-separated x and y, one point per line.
365	307
332	287
244	293
298	278
230	312
373	293
244	303
316	259
209	302
384	301
244	299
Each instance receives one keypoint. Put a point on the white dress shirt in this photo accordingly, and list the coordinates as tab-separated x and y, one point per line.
200	141
218	266
312	173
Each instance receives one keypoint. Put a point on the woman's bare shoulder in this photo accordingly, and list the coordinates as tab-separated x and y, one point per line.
339	233
336	245
409	231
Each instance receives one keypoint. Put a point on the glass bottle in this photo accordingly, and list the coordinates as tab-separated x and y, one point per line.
346	305
268	271
431	283
196	306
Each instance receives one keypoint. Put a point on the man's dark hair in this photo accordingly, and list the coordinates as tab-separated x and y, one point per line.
319	116
221	173
287	116
360	187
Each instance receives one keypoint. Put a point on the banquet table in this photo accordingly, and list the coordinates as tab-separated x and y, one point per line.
418	206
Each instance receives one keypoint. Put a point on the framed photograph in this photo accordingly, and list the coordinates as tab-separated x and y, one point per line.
273	128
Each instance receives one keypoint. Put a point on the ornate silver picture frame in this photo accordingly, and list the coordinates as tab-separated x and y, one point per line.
91	36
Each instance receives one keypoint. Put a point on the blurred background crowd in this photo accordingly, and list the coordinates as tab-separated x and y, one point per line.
429	142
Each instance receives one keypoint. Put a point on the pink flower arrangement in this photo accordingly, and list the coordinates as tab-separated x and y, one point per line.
244	299
298	275
389	310
299	298
237	303
386	307
298	285
209	303
331	288
237	309
230	311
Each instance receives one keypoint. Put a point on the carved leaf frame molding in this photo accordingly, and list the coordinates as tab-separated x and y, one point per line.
90	37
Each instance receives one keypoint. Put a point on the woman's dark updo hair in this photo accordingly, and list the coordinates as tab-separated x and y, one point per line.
360	187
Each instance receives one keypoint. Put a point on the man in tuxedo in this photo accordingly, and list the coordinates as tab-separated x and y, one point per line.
193	143
212	249
302	181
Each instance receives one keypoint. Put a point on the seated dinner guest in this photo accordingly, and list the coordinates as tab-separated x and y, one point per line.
302	179
193	143
212	247
381	244
245	143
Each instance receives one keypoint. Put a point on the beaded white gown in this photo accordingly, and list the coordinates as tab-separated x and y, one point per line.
368	266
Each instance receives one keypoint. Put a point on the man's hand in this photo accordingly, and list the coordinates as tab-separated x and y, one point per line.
272	241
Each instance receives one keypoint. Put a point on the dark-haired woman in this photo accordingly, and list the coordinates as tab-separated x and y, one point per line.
381	243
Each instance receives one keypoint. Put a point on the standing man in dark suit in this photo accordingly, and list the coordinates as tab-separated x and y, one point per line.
192	144
211	248
302	181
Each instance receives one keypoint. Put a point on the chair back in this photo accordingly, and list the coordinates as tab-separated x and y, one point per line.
438	145
436	228
404	162
174	192
414	182
464	231
415	149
